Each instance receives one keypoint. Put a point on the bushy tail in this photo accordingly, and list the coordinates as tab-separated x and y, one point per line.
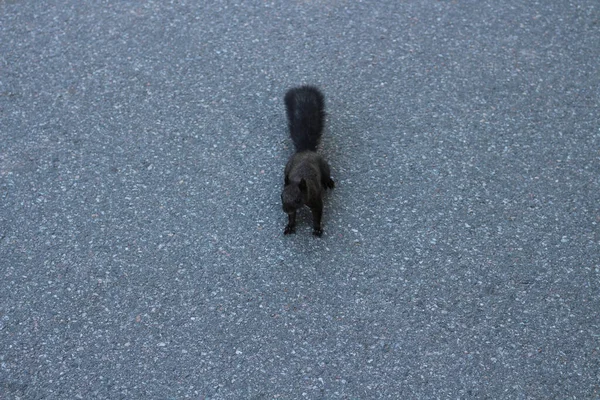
306	116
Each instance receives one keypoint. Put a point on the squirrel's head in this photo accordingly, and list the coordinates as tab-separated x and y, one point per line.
293	196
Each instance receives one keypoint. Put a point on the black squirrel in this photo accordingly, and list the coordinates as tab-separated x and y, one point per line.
307	174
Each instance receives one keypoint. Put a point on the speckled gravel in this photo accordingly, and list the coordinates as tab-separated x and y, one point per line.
142	254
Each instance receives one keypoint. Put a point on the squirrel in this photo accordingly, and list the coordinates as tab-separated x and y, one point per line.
307	174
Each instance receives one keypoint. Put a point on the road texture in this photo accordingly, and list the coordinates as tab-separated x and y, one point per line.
142	147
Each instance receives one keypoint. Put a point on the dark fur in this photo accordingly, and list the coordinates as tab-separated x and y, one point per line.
306	116
307	174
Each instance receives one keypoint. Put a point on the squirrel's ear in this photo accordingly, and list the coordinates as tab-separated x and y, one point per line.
302	185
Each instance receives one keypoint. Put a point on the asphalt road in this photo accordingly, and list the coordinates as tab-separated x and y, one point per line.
142	254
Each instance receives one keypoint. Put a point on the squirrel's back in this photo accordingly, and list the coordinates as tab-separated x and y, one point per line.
305	107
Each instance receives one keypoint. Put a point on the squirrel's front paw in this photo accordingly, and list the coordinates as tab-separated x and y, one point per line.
289	229
330	183
317	232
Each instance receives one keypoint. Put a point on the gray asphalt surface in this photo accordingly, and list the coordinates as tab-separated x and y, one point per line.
142	147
